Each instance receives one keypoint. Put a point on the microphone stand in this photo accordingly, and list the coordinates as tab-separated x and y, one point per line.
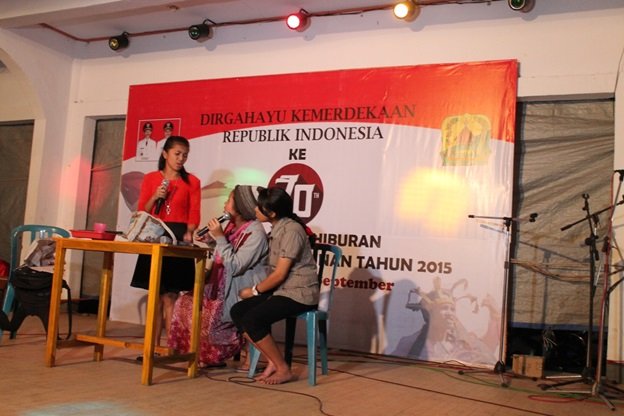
586	374
599	387
499	367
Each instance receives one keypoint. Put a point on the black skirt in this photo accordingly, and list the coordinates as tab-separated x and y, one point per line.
177	274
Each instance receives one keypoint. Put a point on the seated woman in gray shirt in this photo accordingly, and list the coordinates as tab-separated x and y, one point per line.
291	286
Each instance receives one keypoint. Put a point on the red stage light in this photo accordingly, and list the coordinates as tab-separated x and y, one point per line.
298	21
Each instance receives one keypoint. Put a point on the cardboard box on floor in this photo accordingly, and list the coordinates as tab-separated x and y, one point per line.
528	365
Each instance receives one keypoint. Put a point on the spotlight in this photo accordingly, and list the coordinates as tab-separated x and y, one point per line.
406	10
298	21
119	42
521	5
200	32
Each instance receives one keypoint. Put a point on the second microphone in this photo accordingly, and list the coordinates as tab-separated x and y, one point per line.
222	218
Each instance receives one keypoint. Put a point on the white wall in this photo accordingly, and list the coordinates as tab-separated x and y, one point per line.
566	49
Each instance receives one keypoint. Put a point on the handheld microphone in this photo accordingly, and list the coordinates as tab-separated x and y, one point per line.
222	218
161	201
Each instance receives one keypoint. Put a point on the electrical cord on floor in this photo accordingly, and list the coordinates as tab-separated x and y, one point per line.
456	396
247	382
244	381
443	368
553	397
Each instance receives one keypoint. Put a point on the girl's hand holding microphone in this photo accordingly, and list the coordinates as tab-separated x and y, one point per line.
213	229
161	191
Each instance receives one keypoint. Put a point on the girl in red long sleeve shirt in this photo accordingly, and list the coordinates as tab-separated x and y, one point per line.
179	208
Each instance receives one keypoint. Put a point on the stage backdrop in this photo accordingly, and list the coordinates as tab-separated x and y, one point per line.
388	163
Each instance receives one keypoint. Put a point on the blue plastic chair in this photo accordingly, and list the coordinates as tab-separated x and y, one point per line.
16	249
316	320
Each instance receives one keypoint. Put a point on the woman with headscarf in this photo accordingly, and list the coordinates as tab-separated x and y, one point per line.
240	258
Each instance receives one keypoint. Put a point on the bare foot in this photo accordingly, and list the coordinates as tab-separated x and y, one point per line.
279	377
268	372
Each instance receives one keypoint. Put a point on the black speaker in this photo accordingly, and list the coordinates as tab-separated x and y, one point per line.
521	5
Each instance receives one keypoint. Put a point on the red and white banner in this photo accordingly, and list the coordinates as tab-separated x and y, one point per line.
388	163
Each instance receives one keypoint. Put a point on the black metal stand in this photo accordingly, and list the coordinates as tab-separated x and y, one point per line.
500	367
588	376
601	387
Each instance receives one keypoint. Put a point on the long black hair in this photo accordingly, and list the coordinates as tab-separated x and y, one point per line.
277	200
169	143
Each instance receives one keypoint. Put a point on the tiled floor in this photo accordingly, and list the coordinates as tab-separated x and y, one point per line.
356	385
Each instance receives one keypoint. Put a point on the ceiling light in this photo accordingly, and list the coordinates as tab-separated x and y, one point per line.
200	32
298	21
119	42
521	5
406	10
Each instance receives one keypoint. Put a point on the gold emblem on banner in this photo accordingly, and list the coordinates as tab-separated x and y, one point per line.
466	140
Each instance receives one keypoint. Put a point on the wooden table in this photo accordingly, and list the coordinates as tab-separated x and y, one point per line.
157	251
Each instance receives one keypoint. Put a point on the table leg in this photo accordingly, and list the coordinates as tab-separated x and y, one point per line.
55	303
198	293
153	298
106	282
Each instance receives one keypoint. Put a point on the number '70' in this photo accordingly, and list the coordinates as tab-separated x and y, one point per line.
299	193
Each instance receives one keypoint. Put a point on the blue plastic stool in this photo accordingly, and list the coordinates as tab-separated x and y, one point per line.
316	320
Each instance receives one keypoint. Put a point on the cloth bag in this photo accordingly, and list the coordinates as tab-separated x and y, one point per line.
146	228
